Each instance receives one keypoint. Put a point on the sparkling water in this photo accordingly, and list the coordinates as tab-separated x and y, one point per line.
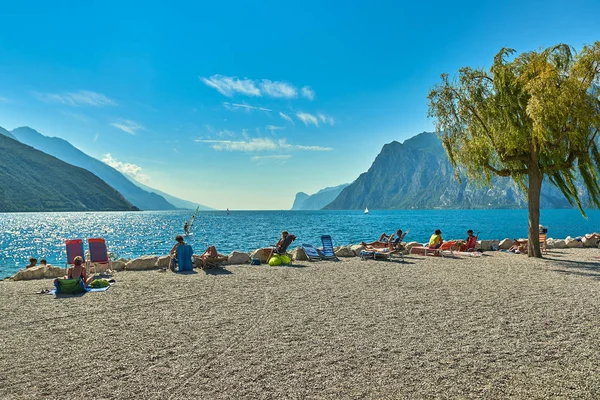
132	234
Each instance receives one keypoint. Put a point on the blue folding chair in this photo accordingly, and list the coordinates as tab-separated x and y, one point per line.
311	252
184	258
327	252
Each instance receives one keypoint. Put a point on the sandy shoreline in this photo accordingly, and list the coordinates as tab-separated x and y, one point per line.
497	326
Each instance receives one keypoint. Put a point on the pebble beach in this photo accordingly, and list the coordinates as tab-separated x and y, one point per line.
496	326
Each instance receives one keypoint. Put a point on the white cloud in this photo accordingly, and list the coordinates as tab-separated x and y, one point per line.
278	89
308	118
286	117
230	106
274	128
232	85
255	144
132	170
326	120
4	100
258	144
228	86
96	136
308	93
76	99
128	126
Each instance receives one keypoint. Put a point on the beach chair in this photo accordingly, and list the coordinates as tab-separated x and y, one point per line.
282	249
184	258
74	248
311	252
98	255
543	247
426	251
327	252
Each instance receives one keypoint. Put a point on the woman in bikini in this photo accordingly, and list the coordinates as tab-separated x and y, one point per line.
78	271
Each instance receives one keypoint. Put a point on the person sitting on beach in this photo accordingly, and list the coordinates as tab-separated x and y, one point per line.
32	262
78	271
173	252
519	246
469	243
284	241
435	241
211	258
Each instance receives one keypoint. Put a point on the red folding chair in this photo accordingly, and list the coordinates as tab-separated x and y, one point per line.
74	249
98	254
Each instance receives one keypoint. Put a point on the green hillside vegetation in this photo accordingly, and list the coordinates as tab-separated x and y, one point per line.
31	180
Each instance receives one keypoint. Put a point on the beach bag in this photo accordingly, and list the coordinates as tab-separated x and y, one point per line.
275	260
285	259
255	261
99	283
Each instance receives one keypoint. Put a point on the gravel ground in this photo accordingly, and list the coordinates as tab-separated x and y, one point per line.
497	326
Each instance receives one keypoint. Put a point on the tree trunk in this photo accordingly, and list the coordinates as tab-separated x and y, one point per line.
533	196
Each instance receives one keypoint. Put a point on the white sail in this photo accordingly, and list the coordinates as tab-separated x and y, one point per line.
187	227
366	210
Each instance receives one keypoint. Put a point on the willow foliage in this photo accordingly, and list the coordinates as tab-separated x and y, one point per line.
532	115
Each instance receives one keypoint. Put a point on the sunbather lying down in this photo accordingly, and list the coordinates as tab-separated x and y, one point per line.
385	242
210	258
519	246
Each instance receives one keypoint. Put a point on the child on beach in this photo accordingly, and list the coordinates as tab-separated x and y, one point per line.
435	241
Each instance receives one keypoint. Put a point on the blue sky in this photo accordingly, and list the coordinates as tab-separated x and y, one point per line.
242	104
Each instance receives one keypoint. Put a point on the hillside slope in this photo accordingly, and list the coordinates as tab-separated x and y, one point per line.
63	150
416	174
31	180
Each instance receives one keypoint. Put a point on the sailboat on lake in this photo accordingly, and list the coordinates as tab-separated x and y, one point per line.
366	210
187	227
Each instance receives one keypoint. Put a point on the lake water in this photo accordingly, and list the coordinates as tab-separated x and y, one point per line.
132	234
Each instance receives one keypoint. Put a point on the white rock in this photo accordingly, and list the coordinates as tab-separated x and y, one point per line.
573	243
39	272
118	265
237	257
410	245
261	254
487	245
142	263
344	251
589	242
505	244
299	254
163	262
357	248
559	244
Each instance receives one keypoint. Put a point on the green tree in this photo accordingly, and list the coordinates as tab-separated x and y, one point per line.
531	116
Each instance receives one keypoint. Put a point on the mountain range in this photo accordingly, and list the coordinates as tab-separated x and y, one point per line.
417	174
318	200
63	150
61	186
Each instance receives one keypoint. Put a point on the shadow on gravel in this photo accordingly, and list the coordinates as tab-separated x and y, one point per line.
217	271
581	268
